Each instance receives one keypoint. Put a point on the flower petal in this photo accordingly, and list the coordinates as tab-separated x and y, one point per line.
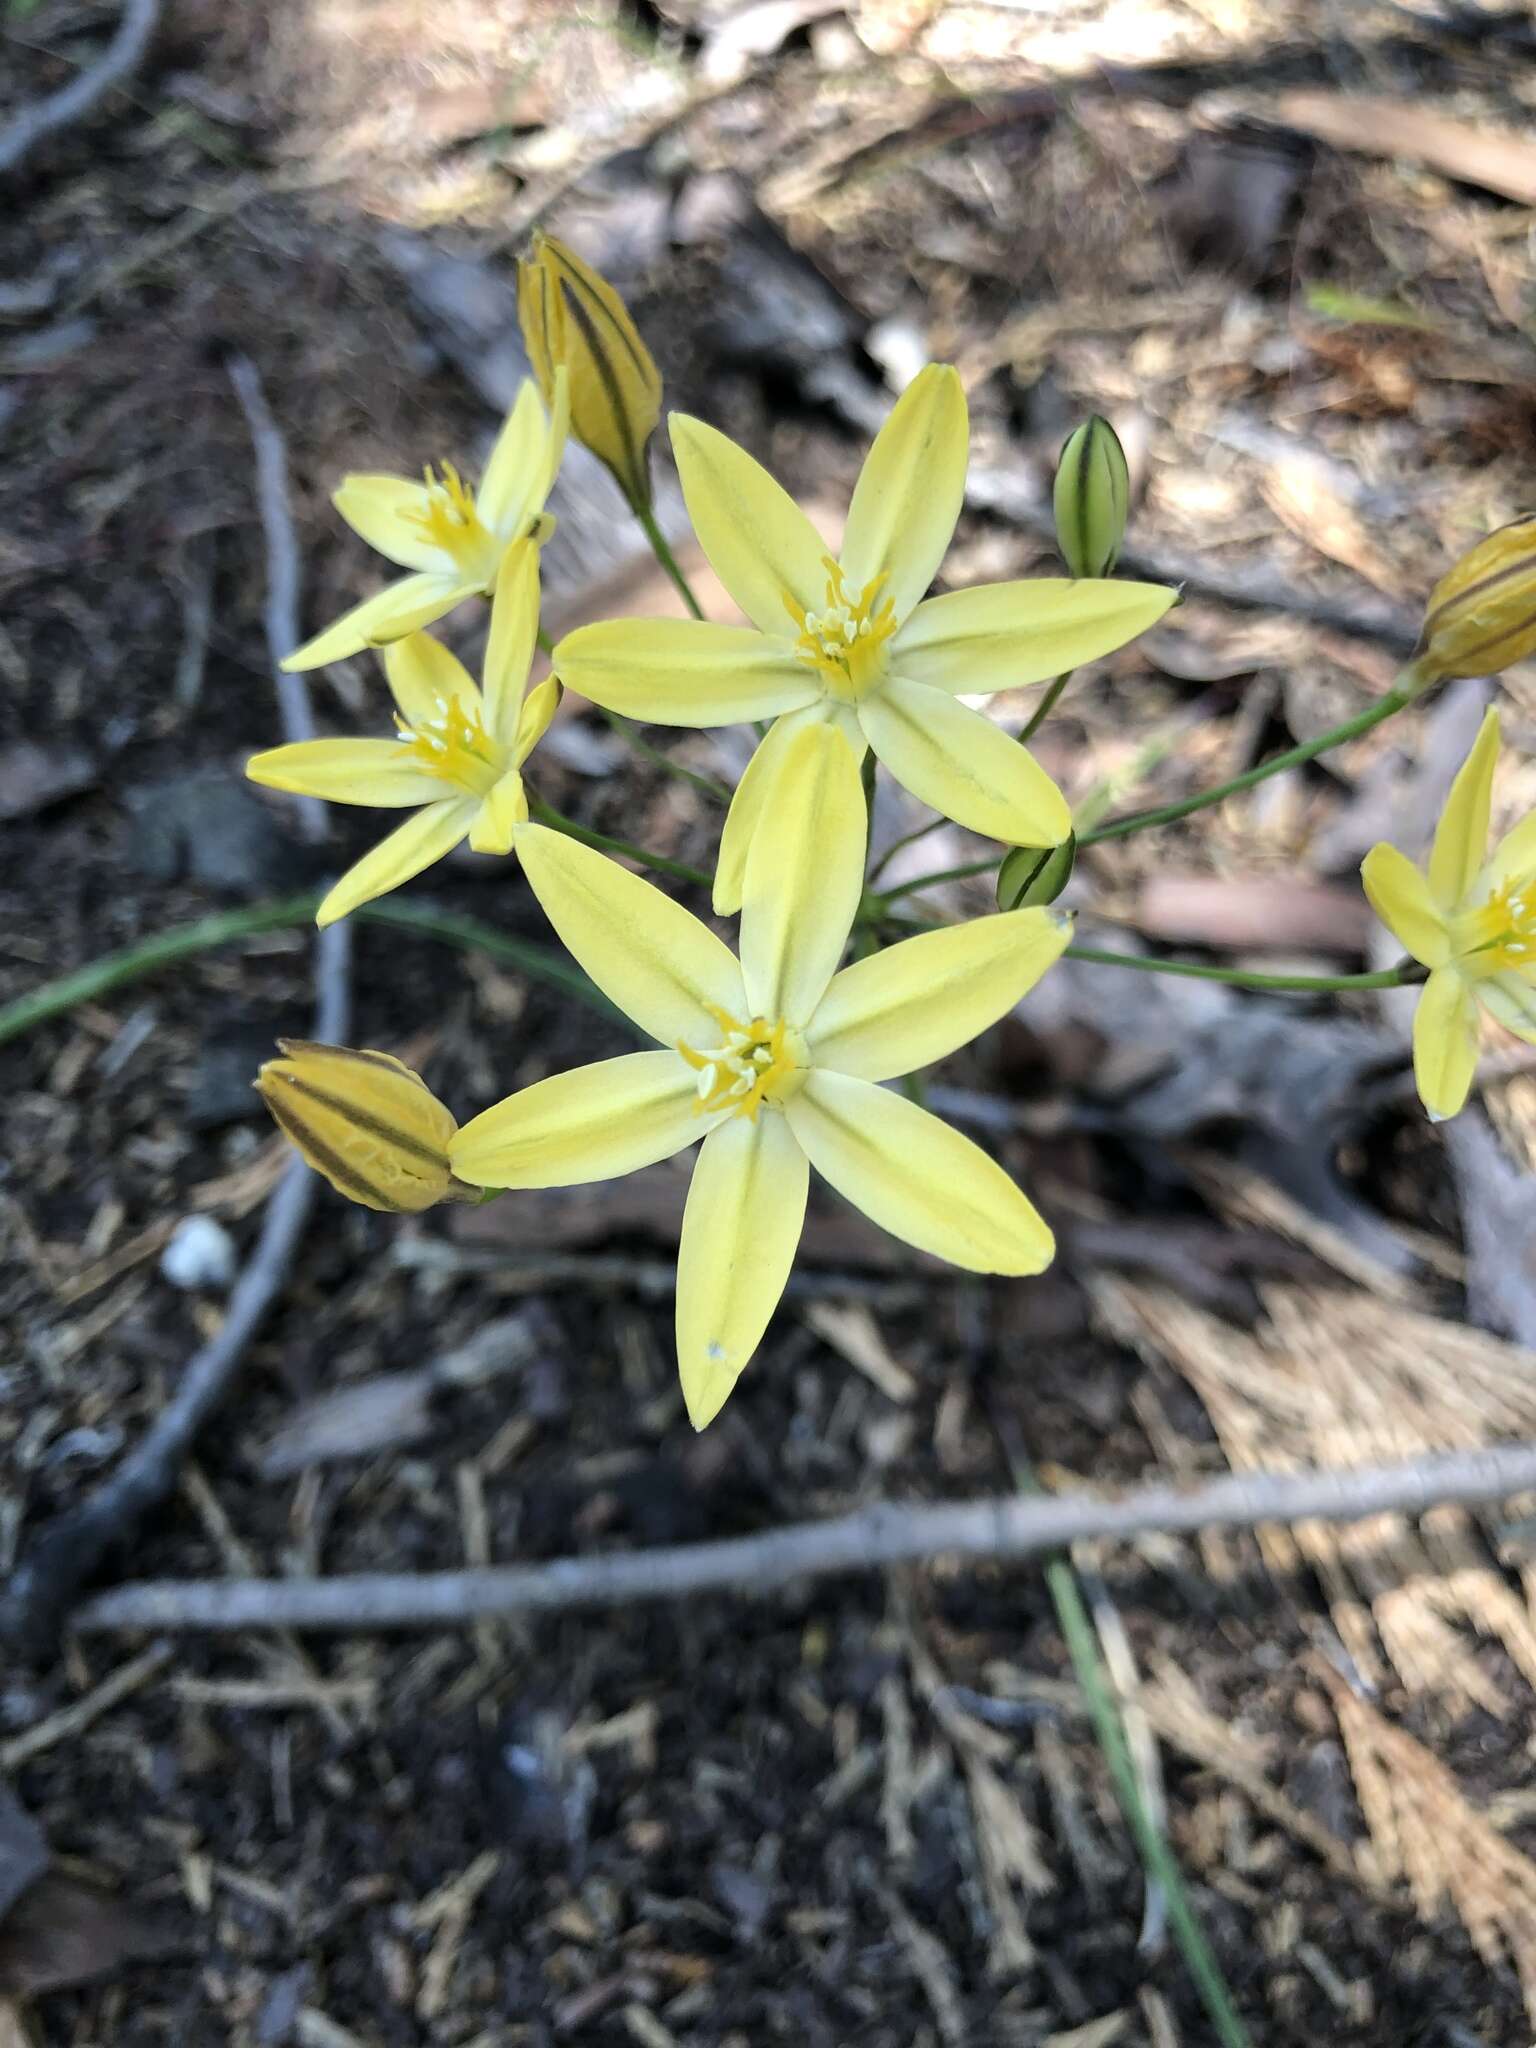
683	671
379	772
753	793
916	1177
423	676
590	1124
1511	1000
434	831
534	715
804	876
746	1207
645	952
391	613
523	462
1400	897
910	490
1003	635
502	810
1461	837
759	543
509	649
1444	1043
916	1002
380	509
960	763
1513	860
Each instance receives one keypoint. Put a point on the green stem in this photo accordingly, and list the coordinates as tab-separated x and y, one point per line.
628	730
663	553
900	846
1043	709
559	822
1309	750
1157	1858
1296	984
959	874
114	970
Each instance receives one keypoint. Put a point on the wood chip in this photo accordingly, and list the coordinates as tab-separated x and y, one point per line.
854	1335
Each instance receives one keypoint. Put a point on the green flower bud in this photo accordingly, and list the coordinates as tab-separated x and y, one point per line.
1093	494
1032	875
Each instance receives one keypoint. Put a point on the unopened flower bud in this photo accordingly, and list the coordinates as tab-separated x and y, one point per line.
1481	615
373	1128
1093	496
1033	875
573	316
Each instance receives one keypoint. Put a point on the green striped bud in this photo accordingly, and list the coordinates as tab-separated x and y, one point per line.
1093	495
364	1121
1481	615
1033	875
571	315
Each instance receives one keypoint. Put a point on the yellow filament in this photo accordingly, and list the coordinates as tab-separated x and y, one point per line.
845	642
1501	933
454	746
744	1070
448	517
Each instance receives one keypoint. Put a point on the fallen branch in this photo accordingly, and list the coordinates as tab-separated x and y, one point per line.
119	60
34	1604
887	1534
281	612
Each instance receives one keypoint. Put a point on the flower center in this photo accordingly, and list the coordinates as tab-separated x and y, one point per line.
1501	933
845	642
753	1064
450	521
455	747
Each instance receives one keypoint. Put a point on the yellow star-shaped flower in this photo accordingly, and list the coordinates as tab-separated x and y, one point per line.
852	641
1471	921
456	758
773	1060
452	539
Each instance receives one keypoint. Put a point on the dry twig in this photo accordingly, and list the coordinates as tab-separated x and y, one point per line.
34	1604
73	102
885	1534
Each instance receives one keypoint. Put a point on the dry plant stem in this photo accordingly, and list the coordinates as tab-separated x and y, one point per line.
886	1534
1294	757
34	1604
282	602
661	549
71	1551
73	102
114	970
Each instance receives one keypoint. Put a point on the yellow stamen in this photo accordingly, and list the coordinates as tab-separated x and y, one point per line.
455	747
845	643
1501	933
748	1068
449	519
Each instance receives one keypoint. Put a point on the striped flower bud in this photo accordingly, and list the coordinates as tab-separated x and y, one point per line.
373	1128
1482	613
573	316
1032	875
1093	495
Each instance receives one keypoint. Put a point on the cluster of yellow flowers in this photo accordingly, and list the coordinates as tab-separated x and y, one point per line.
773	1058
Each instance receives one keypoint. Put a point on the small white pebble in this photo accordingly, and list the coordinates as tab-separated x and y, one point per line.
200	1256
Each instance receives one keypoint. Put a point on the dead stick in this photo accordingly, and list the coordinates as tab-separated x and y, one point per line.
887	1534
34	1603
73	102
